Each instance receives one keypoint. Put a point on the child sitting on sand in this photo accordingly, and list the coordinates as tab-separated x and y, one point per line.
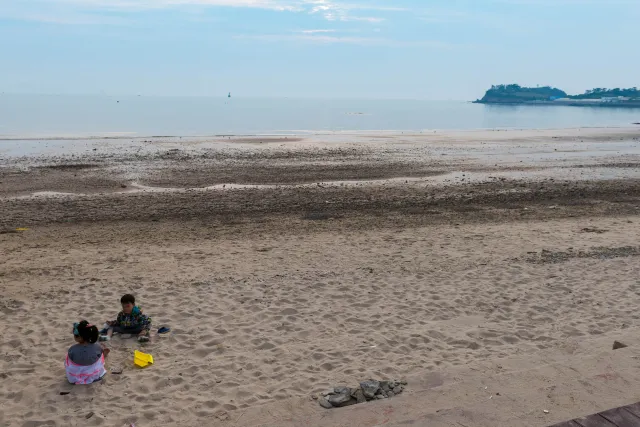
84	363
129	321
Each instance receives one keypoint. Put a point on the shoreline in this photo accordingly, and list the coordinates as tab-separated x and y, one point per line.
296	133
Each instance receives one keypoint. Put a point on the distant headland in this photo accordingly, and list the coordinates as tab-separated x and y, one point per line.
599	97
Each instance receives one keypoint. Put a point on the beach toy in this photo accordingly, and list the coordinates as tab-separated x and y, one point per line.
142	359
164	330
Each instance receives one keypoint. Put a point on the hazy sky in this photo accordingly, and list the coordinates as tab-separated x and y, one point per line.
423	49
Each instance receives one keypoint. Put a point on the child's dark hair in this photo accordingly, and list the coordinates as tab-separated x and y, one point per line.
88	332
128	299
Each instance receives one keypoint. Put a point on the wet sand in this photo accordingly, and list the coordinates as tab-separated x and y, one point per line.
286	267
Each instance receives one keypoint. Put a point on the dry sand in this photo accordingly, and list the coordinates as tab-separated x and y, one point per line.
288	267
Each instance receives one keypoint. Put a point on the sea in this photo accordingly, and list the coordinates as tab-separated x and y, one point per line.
39	116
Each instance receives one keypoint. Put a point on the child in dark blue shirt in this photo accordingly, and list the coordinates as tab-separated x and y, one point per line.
130	320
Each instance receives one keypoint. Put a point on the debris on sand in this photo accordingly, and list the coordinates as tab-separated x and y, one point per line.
593	230
368	390
618	345
549	257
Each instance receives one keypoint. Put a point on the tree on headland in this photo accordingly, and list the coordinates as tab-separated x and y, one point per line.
600	92
517	93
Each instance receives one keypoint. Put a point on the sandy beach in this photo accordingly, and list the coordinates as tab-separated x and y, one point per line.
289	265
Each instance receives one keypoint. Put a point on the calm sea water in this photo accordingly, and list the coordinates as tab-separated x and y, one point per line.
64	115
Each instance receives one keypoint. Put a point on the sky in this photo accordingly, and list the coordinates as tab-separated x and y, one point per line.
360	49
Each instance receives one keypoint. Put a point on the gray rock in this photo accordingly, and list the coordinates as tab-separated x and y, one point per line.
380	397
384	385
359	396
398	389
342	390
349	402
342	396
325	403
391	394
370	388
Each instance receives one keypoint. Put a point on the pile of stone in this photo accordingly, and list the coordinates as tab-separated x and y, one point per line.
369	390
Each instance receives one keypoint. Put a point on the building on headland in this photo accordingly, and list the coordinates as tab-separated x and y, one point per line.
578	101
594	101
615	99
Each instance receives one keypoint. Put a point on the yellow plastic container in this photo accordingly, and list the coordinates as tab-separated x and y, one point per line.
142	359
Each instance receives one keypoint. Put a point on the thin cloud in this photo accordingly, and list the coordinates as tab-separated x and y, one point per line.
319	39
281	5
369	19
92	12
331	10
316	31
332	39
